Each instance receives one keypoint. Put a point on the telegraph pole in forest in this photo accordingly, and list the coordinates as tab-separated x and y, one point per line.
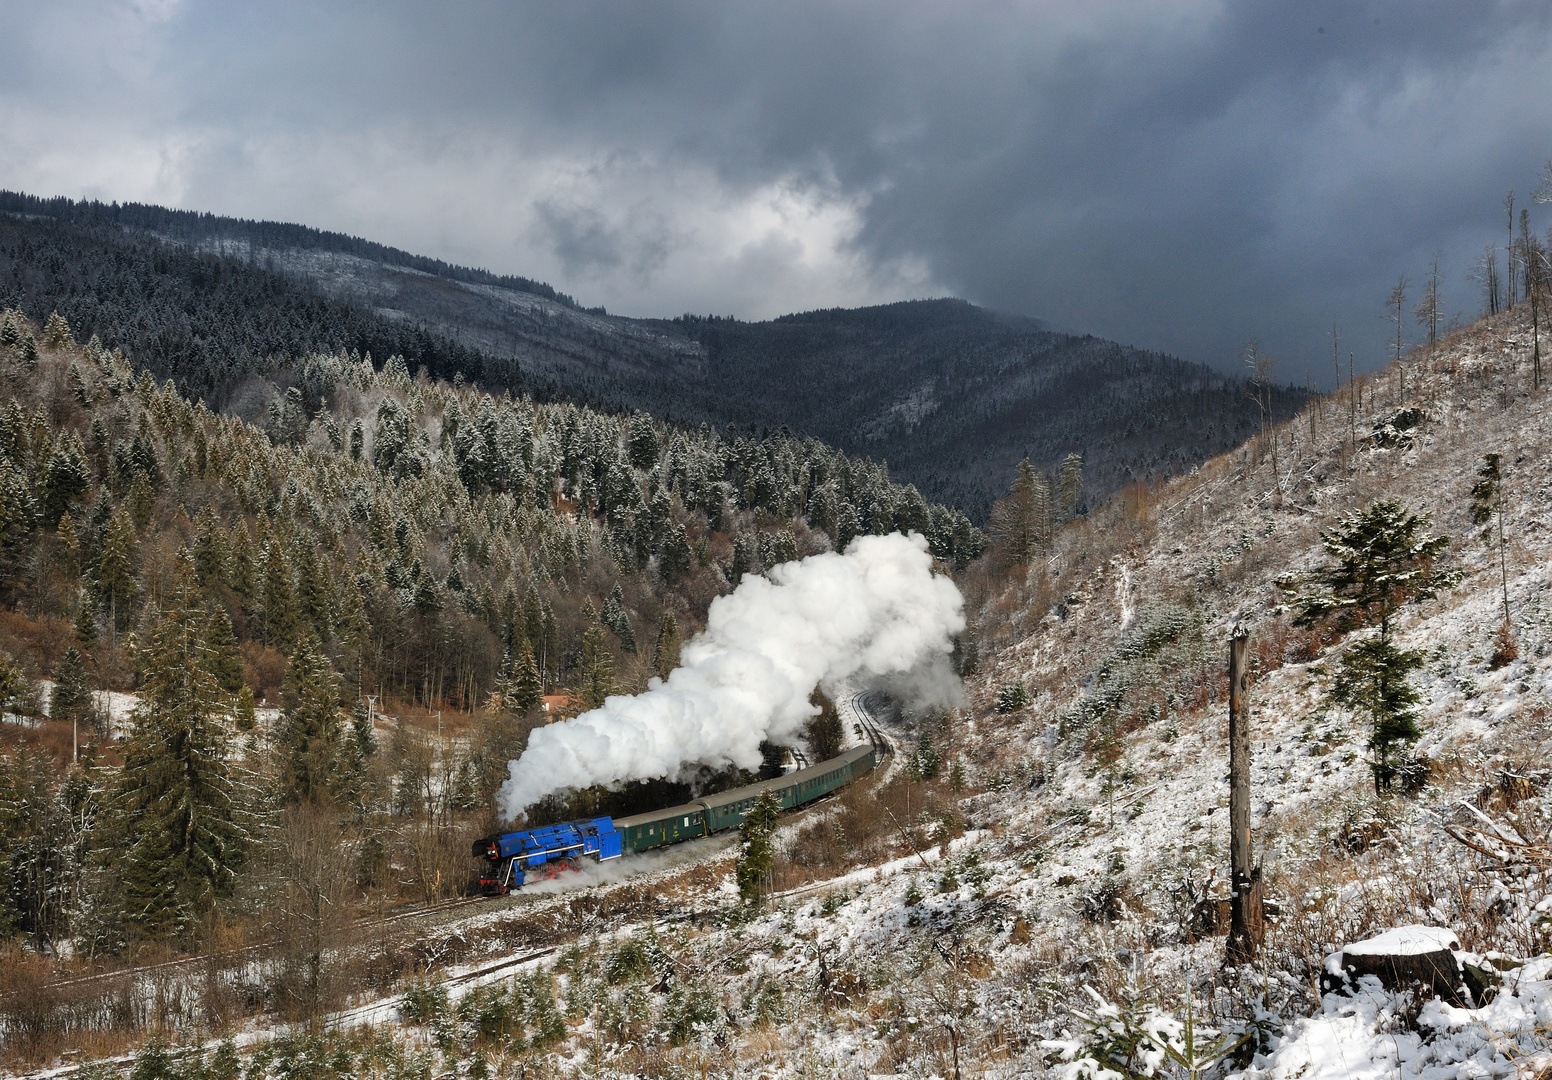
1246	928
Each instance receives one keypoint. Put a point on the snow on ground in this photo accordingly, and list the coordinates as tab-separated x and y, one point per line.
1364	1036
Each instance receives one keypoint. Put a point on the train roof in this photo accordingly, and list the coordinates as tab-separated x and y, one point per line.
723	798
738	794
658	815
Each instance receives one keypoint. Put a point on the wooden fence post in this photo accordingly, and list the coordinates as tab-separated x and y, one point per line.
1246	928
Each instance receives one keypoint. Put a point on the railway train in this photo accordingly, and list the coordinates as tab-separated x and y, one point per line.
509	858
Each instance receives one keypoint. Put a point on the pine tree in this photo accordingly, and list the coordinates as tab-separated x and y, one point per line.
525	688
756	854
225	663
595	667
209	548
665	655
18	519
56	332
117	564
615	618
277	598
1021	523
177	841
72	697
1382	557
310	734
67	477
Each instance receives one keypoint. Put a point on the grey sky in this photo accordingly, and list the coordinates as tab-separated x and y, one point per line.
1176	175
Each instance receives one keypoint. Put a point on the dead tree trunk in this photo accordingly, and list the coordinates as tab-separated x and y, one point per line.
1245	922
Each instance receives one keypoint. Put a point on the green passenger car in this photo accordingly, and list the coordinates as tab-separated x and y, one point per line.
727	809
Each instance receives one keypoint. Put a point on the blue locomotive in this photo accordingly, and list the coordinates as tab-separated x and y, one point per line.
510	856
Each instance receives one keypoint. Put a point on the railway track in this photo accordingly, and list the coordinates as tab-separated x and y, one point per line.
256	948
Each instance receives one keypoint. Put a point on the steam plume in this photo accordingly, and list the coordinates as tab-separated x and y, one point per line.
873	612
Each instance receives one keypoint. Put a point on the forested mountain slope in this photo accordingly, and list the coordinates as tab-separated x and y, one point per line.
382	536
1060	837
951	395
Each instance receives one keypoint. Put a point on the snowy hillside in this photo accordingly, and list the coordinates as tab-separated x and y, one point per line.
1079	871
1036	891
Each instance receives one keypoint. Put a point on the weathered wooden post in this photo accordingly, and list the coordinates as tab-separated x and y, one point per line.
1245	923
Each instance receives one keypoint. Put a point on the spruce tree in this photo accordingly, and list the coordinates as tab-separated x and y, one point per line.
1069	488
525	688
756	854
72	697
85	624
209	548
310	734
315	592
177	841
66	478
615	618
117	563
1486	504
278	598
15	691
56	332
665	655
595	667
241	560
18	519
225	663
823	731
1381	558
1021	523
676	558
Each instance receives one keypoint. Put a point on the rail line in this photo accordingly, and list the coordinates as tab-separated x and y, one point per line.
243	950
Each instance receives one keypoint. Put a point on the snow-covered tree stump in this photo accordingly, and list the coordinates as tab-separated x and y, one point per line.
1421	957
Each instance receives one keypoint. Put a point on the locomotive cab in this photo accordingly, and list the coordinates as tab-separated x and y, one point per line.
497	875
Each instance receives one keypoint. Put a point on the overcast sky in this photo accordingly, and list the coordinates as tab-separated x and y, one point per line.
1175	175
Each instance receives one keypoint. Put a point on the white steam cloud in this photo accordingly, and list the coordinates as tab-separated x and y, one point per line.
874	612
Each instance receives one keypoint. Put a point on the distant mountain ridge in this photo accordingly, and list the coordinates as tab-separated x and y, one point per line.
949	394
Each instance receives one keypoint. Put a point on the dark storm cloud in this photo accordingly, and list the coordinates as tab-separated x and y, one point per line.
1176	176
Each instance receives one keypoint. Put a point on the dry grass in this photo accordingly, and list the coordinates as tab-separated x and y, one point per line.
865	825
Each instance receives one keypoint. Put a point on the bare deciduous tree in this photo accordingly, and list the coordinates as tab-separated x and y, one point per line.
1395	304
1427	310
1509	282
1485	274
312	870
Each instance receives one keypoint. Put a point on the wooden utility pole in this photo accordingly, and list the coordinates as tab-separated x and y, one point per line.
1246	928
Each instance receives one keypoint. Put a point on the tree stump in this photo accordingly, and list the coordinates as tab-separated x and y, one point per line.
1408	957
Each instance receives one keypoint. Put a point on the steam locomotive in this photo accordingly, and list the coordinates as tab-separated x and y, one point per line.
509	858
